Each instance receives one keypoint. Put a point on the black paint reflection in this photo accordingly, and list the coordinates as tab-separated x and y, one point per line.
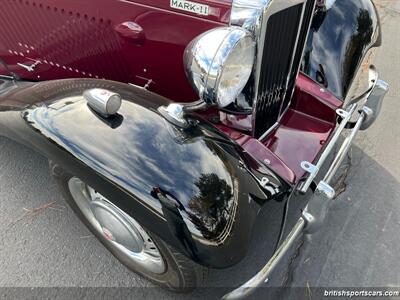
338	41
172	210
363	36
113	121
192	188
211	206
141	153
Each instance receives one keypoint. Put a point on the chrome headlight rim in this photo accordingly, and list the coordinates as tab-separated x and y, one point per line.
214	49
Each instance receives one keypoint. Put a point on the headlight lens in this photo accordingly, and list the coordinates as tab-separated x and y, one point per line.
219	63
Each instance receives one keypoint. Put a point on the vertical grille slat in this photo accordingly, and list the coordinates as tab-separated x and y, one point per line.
285	35
308	13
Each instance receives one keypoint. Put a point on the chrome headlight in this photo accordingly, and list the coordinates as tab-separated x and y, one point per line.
219	63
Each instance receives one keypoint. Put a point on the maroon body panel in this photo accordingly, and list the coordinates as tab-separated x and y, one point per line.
142	42
73	39
300	135
219	11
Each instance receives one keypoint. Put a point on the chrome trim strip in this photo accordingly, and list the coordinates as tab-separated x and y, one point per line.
304	46
265	134
317	208
314	169
254	15
7	77
250	286
346	117
248	14
364	121
9	84
343	150
272	8
374	103
293	56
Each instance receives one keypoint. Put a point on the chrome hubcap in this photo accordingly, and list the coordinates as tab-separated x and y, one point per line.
120	230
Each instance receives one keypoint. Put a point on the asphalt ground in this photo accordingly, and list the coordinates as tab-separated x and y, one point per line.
43	244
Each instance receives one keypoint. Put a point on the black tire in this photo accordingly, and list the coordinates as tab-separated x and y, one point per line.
181	275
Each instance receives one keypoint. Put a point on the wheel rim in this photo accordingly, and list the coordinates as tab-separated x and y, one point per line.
120	231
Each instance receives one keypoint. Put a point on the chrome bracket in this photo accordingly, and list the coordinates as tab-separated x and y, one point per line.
317	208
314	169
264	181
30	68
266	184
310	168
342	113
175	113
374	103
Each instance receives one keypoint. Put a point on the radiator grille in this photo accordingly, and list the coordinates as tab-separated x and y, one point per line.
307	18
285	36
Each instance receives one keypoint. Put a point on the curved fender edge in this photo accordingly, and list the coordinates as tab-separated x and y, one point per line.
195	189
339	40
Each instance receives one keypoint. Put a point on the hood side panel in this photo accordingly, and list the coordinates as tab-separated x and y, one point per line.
88	39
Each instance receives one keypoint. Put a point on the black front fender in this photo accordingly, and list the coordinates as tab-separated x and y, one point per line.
195	189
339	39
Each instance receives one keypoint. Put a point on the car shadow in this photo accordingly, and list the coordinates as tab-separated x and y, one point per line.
357	246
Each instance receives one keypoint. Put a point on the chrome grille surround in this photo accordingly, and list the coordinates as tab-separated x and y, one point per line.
254	15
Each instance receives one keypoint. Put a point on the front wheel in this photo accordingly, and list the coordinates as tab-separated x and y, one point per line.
139	250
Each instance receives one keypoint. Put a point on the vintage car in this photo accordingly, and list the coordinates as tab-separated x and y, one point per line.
171	125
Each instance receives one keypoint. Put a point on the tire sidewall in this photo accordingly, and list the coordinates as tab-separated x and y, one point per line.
176	277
